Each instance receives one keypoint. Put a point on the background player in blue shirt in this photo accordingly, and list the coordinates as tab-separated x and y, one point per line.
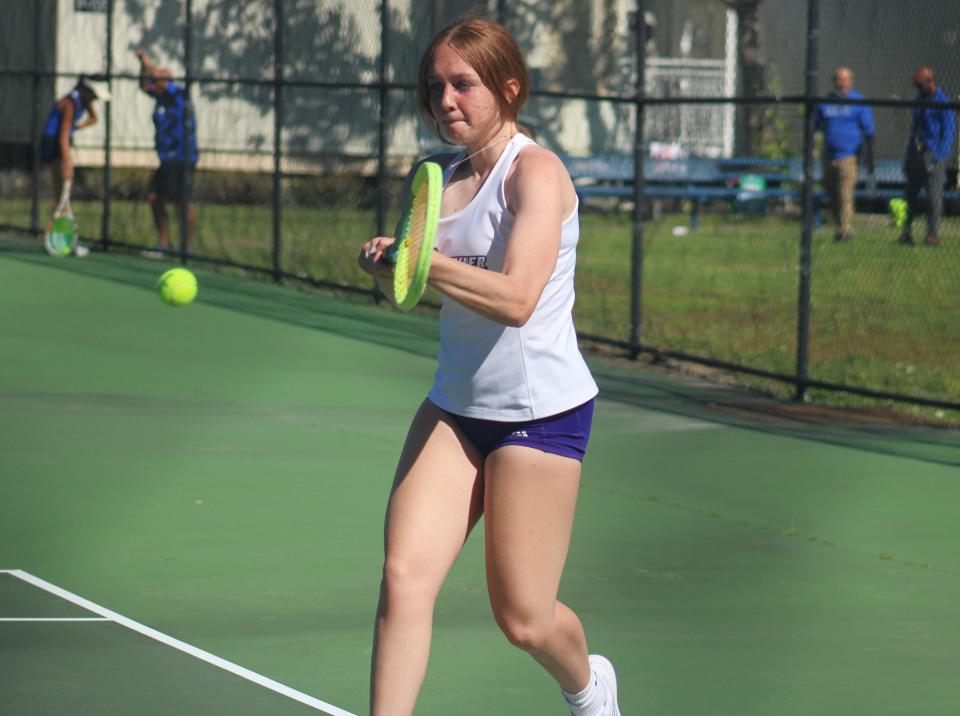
176	143
848	131
928	149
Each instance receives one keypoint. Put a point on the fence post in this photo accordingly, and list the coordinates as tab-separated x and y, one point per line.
382	118
806	240
186	179
278	121
34	121
636	251
107	139
382	189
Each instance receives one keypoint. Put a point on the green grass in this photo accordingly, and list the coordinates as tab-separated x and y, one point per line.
882	315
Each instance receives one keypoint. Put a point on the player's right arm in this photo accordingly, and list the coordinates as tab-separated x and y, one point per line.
382	271
147	71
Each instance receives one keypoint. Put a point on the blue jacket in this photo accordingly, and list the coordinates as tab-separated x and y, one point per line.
172	118
932	127
844	126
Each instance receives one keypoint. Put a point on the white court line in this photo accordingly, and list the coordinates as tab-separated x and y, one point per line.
206	656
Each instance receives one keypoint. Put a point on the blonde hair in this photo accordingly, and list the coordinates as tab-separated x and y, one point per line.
492	53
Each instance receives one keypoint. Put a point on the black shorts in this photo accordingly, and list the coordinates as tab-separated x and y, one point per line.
173	181
50	149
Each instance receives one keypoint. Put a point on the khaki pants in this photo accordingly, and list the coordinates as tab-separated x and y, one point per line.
840	179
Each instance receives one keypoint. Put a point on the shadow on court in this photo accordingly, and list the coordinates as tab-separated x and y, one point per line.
352	316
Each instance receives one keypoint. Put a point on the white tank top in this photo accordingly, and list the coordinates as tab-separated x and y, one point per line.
496	372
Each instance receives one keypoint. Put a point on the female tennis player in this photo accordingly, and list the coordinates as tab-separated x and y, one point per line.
65	117
505	426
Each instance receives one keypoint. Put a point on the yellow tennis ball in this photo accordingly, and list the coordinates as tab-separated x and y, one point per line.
177	287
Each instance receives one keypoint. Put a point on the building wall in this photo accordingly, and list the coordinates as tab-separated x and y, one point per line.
19	52
571	45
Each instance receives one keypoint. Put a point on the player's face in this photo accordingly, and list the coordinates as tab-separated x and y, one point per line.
87	97
923	81
843	81
156	86
465	109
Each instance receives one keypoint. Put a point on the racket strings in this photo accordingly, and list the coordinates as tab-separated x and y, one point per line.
417	236
418	223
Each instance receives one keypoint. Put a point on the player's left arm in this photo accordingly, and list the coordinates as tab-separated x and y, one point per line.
537	193
91	118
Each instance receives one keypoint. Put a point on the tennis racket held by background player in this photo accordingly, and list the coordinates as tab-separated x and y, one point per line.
60	238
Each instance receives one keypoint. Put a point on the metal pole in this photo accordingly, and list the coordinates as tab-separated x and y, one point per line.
105	220
806	240
382	194
278	122
636	257
34	120
382	190
185	178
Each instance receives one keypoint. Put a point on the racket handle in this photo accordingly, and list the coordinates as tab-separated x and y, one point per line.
65	194
390	255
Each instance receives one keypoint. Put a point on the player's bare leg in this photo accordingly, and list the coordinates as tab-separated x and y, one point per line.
160	218
529	502
56	180
436	501
191	225
530	498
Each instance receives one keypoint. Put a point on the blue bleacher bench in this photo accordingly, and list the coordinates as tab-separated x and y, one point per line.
699	180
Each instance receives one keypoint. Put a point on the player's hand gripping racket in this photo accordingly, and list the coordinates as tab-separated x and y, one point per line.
411	252
60	239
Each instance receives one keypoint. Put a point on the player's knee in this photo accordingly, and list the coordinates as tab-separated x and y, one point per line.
404	584
525	631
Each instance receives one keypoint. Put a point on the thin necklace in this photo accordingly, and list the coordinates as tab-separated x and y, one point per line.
482	149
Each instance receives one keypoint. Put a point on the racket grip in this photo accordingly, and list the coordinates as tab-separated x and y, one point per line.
65	194
390	255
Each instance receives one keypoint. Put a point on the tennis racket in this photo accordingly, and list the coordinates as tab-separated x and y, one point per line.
60	239
410	254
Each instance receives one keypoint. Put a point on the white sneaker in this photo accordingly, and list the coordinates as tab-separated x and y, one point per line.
81	251
608	680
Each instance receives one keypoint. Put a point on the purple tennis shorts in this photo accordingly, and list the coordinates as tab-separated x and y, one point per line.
564	434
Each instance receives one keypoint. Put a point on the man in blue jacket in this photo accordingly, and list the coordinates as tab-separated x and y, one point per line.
929	148
176	142
847	134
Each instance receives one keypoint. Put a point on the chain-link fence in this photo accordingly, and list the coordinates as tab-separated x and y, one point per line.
727	252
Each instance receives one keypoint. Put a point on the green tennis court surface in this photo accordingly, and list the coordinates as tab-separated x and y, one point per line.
217	475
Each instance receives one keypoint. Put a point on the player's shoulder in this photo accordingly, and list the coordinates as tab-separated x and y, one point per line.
536	162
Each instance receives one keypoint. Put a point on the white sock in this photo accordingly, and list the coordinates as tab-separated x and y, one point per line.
588	702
